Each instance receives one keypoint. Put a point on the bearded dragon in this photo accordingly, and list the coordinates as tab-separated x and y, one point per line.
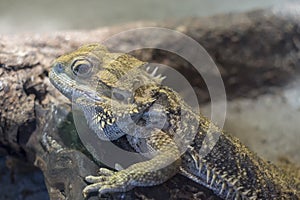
90	77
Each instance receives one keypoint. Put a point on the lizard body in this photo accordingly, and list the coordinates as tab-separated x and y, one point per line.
90	77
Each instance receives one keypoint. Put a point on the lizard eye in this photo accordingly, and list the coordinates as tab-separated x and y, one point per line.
82	67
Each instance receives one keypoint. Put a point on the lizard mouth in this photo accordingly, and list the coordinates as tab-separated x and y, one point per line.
70	88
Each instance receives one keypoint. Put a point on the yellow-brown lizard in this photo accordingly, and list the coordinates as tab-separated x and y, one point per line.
89	76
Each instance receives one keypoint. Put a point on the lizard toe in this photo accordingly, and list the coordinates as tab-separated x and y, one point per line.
91	188
95	179
110	188
105	172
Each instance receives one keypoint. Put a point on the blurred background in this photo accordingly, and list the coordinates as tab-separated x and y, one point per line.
34	15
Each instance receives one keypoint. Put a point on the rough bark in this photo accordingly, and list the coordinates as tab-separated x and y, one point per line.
252	50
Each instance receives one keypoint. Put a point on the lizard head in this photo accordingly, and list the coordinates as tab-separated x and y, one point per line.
105	85
94	72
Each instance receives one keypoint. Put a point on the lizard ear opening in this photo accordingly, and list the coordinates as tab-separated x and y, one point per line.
121	96
118	96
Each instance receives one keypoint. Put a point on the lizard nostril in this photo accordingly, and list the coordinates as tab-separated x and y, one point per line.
59	67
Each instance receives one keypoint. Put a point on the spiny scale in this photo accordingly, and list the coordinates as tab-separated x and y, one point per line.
154	75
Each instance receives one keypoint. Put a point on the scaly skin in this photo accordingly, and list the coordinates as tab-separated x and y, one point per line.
93	79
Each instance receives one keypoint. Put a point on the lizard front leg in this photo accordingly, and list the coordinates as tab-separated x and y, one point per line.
160	168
